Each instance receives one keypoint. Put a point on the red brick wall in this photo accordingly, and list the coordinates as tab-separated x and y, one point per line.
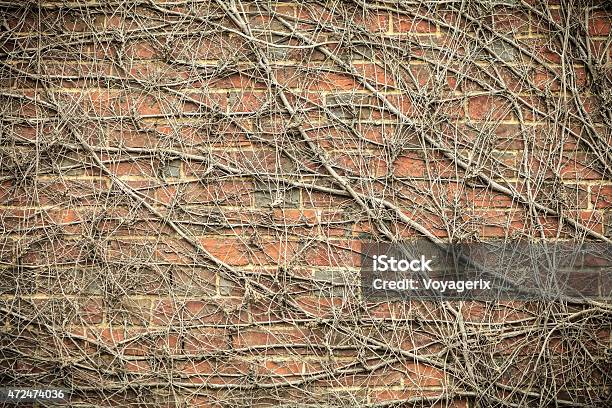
185	187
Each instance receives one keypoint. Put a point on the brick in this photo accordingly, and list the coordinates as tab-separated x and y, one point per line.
355	106
200	103
138	367
230	250
215	193
295	215
145	342
79	75
422	375
399	395
171	169
410	24
509	21
133	138
420	76
53	252
261	160
373	22
92	311
194	281
323	306
590	219
316	79
323	200
330	81
110	337
409	165
403	103
497	223
241	80
312	15
566	196
272	338
283	9
133	312
144	168
375	74
208	46
273	310
144	104
204	340
360	163
280	371
435	224
231	367
144	50
275	196
503	50
214	133
271	253
601	196
218	311
218	372
489	107
123	221
600	23
265	21
338	253
14	220
478	197
546	80
600	51
155	72
580	167
544	49
366	379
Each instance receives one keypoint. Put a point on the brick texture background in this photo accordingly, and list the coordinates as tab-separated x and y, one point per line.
185	187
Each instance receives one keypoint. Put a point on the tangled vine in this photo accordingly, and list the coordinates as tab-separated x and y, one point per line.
185	185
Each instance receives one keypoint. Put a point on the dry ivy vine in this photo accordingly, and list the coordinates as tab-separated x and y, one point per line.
143	141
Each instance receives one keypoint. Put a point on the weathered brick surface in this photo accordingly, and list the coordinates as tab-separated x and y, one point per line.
185	188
